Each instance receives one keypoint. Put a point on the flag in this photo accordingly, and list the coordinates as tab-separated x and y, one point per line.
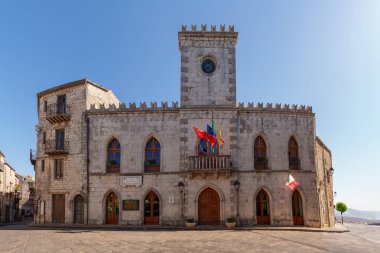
210	130
292	183
203	135
220	139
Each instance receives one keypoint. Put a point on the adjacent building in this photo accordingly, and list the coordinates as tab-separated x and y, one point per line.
100	161
8	191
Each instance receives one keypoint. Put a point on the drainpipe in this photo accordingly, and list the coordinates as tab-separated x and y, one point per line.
88	163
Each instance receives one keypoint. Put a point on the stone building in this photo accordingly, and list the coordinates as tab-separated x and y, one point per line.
100	161
8	191
26	194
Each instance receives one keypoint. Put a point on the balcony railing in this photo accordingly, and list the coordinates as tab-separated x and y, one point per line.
210	163
53	147
294	163
57	113
32	157
261	163
152	166
113	168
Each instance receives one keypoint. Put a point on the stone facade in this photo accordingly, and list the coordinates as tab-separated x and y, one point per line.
95	117
8	191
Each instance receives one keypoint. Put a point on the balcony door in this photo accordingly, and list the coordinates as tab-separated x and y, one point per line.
61	104
60	139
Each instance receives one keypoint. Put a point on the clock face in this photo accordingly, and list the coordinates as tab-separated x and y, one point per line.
208	66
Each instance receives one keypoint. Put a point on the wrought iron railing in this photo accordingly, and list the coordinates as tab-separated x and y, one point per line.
294	163
152	166
261	163
210	162
32	157
57	112
54	147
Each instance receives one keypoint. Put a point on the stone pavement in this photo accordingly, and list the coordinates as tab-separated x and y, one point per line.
20	238
337	229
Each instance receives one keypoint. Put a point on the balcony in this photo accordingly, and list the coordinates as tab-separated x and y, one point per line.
211	163
32	157
54	148
57	113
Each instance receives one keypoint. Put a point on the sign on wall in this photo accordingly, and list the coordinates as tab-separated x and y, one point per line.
171	199
131	205
131	181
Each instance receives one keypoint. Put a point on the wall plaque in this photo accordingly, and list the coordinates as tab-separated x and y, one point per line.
131	205
171	199
131	181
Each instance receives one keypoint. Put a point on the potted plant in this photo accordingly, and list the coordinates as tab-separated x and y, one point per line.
231	222
190	223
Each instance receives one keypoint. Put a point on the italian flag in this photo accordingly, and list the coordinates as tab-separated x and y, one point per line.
292	183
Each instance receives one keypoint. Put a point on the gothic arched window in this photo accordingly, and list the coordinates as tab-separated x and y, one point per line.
152	155
113	156
260	153
294	161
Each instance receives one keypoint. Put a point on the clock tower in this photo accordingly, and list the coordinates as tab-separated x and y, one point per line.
208	67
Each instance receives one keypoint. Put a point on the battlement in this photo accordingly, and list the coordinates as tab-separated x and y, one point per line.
222	28
194	37
122	107
276	107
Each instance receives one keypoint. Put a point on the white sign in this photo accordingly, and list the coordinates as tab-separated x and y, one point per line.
171	199
131	181
42	204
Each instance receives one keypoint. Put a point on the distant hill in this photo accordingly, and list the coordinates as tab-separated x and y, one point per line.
359	216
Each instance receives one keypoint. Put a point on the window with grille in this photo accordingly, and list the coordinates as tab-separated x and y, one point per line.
260	154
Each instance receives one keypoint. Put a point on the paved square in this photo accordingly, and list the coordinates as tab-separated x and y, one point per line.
19	238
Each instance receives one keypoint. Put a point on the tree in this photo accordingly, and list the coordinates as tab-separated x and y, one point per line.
341	207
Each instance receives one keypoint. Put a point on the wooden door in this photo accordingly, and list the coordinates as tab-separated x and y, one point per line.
209	207
112	209
262	208
152	209
297	208
58	208
79	209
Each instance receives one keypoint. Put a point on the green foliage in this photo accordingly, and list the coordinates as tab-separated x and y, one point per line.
190	220
341	207
231	219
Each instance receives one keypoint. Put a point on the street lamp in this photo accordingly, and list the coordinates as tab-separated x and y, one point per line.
236	185
331	172
181	187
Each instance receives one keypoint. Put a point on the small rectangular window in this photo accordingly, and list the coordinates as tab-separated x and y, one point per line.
45	106
42	165
58	169
44	138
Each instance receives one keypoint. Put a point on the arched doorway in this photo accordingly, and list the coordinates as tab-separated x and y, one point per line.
262	208
79	209
297	208
209	207
112	209
152	209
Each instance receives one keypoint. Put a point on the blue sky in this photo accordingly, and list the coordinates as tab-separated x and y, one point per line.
320	53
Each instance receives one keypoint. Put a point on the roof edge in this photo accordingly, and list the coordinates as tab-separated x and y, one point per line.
70	85
320	142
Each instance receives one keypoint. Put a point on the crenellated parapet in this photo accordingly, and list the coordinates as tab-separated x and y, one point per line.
122	107
202	36
275	107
